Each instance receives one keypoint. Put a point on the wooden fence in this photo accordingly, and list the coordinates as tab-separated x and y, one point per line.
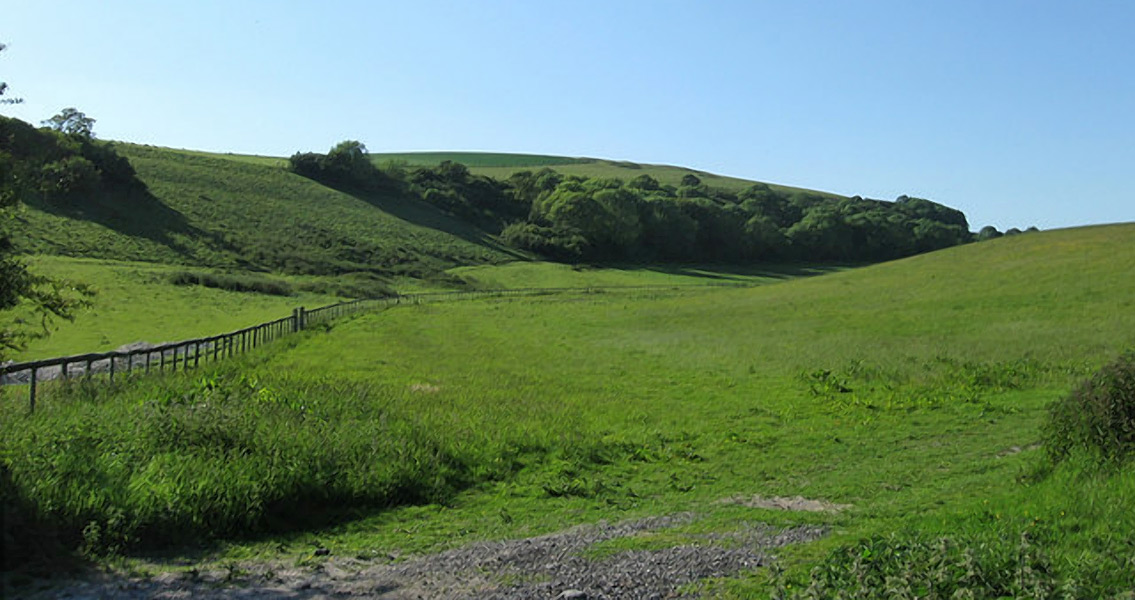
188	354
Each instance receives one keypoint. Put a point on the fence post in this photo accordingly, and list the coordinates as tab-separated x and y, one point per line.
297	320
31	393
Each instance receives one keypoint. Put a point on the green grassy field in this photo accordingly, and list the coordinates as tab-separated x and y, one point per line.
547	274
913	391
135	301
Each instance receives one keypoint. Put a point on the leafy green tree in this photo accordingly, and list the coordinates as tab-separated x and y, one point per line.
988	232
18	286
72	122
645	182
69	177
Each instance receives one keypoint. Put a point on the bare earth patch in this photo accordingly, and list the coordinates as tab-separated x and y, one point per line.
785	503
548	566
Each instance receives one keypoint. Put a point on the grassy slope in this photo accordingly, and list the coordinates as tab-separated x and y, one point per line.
501	166
547	274
134	301
229	211
611	406
951	356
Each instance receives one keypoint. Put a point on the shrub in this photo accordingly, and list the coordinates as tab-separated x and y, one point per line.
69	177
914	567
1097	417
352	285
233	283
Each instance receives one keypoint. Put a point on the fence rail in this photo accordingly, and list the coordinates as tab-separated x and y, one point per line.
194	352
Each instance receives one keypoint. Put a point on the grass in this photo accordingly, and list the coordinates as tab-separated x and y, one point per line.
501	166
913	391
244	213
477	159
138	302
546	274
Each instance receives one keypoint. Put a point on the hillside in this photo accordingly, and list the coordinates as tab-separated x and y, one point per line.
248	213
338	213
502	166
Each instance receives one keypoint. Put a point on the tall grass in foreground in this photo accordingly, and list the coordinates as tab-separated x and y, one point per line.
188	458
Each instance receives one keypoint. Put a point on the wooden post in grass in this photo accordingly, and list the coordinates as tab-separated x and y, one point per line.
31	392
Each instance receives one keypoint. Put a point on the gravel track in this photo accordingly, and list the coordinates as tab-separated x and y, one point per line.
549	566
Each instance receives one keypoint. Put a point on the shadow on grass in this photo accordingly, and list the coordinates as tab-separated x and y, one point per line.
743	273
134	211
423	214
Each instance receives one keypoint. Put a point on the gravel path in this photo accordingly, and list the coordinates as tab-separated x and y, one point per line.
549	566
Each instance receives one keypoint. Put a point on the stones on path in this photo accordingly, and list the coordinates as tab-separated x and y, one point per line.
556	565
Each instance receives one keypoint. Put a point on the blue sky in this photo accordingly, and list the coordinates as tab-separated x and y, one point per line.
1019	113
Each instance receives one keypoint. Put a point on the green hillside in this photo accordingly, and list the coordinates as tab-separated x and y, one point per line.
478	159
249	213
502	166
912	391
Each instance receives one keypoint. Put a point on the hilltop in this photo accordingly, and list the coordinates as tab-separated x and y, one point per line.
503	165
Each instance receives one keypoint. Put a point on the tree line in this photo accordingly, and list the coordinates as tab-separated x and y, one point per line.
573	218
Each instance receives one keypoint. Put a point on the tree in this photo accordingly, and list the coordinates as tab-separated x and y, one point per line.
988	232
4	87
18	286
72	122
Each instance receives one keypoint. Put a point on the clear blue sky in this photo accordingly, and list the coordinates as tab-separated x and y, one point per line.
1017	112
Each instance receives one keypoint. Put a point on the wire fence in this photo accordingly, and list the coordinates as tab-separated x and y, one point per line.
187	354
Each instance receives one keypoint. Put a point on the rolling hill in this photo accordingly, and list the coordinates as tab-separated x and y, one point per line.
501	166
233	212
229	211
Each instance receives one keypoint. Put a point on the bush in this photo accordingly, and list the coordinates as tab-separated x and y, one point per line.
352	285
69	177
913	567
232	283
1097	417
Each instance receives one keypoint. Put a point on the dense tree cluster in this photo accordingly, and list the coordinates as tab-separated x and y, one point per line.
597	219
347	165
592	219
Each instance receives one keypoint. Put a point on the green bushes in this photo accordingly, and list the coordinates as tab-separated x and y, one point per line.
233	283
351	285
911	567
1098	417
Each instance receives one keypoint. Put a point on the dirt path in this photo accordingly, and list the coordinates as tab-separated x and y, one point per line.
549	566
